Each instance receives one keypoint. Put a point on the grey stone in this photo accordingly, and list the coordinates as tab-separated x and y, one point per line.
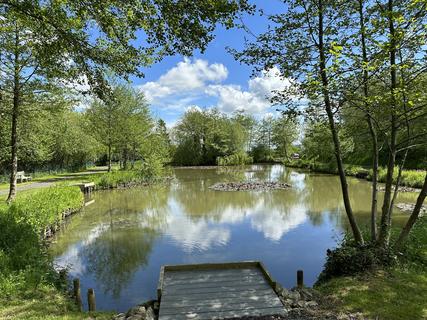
311	304
132	311
294	295
136	317
150	315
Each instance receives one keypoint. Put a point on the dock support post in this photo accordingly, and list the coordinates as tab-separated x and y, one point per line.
300	279
91	299
77	294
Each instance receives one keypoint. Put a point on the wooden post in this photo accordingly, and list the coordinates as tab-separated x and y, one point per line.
77	295
91	299
300	278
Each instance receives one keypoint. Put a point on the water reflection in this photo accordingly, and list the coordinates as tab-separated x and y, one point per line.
118	244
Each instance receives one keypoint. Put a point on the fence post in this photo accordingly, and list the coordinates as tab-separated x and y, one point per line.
77	295
300	278
91	299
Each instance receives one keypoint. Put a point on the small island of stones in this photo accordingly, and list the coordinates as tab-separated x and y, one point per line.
250	186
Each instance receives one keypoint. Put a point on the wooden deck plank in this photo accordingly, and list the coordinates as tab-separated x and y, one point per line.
216	304
176	275
215	291
250	293
211	283
224	288
212	278
224	314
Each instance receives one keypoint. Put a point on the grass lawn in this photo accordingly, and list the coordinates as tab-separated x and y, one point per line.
390	295
44	303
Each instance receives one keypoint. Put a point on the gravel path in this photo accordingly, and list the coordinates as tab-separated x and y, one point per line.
47	183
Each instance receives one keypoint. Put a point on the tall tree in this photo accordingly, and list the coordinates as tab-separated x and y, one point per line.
22	78
308	36
77	40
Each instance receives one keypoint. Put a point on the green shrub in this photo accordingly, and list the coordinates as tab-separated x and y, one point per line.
350	259
236	159
44	207
410	178
414	254
116	179
152	168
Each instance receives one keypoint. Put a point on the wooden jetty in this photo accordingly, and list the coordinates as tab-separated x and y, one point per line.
217	291
86	187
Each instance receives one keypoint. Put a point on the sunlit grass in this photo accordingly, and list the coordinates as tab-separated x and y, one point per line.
44	303
389	295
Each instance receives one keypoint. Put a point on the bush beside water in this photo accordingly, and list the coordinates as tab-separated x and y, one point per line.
410	178
236	159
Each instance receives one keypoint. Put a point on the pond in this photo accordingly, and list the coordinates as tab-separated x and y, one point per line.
118	244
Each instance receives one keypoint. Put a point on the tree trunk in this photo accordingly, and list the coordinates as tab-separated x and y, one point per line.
109	157
125	159
413	218
372	130
384	235
328	106
15	115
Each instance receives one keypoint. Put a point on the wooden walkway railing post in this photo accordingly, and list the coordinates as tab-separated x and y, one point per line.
77	294
300	279
91	300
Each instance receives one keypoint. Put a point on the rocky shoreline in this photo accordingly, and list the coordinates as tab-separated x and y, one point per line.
401	189
250	186
409	207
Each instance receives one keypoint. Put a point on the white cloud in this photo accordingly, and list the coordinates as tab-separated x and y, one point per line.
270	81
196	82
187	76
196	235
232	98
255	100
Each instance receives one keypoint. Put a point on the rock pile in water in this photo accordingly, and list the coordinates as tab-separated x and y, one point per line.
250	186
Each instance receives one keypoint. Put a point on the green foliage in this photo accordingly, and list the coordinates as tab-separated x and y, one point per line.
350	259
236	159
169	27
410	178
202	136
261	153
153	167
119	178
45	207
414	254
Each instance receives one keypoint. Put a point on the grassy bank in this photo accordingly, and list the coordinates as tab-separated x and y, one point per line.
30	287
395	293
410	178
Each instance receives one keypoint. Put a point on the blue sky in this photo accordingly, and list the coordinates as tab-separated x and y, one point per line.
214	78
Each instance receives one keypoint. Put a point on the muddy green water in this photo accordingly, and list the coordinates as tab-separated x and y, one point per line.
118	244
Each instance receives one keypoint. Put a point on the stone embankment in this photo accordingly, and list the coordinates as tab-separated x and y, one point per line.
250	186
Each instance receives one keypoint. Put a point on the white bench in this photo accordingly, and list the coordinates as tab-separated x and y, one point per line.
21	177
